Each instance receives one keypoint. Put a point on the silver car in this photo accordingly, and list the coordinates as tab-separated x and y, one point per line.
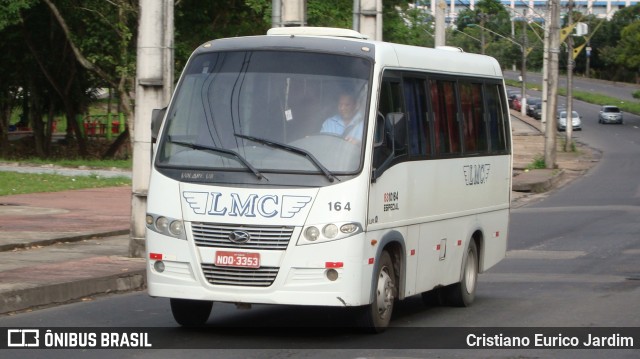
576	121
610	114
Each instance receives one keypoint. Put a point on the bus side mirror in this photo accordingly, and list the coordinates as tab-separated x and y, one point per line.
156	120
390	136
397	122
380	131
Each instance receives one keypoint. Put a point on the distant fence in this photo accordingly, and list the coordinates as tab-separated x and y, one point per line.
106	125
100	125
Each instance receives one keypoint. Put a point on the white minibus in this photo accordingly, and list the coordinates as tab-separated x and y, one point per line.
312	166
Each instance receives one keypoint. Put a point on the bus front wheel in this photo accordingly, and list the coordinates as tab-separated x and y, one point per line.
376	316
190	313
463	293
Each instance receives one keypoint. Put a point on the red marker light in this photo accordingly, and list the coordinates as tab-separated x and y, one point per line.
333	264
155	256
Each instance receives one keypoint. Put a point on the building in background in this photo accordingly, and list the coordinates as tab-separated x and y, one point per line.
535	8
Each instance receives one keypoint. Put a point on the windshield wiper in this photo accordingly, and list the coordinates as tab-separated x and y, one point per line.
221	150
296	150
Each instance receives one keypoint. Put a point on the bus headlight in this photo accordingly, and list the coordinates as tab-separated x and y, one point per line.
312	233
165	225
176	228
329	232
162	223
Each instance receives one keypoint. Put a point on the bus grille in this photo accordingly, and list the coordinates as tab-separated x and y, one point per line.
261	237
246	277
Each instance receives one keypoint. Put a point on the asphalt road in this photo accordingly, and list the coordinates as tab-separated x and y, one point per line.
572	262
622	91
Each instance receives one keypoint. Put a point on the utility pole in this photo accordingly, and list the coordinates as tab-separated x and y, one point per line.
276	13
554	50
293	12
367	18
569	129
545	71
523	106
440	39
154	83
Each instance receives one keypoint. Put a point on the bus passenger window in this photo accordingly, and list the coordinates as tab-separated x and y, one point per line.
497	123
445	126
416	105
474	131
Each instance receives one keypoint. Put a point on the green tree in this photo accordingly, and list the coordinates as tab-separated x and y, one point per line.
628	51
604	56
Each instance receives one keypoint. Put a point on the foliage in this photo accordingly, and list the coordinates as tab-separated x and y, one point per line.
19	183
330	13
605	42
197	22
10	11
628	54
538	163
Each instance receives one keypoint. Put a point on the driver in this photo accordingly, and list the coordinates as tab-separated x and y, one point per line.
348	123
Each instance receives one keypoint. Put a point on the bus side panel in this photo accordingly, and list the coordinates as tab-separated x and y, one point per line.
447	200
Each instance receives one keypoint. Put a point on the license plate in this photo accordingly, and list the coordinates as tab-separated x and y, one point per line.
237	259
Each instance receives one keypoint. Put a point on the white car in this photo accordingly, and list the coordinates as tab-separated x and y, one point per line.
576	121
610	114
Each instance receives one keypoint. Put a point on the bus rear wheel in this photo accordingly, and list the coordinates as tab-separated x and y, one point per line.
375	317
190	313
462	294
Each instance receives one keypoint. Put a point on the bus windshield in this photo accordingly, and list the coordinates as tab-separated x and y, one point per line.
269	111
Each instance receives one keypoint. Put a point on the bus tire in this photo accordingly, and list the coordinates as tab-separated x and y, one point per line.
433	297
190	313
463	293
375	317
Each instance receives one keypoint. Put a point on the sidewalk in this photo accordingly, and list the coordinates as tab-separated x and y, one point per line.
65	246
68	246
528	145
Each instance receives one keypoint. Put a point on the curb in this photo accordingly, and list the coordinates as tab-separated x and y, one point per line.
64	239
535	184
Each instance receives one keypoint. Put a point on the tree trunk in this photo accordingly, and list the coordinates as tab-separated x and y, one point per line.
116	146
75	127
5	115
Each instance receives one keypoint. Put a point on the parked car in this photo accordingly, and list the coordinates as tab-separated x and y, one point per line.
610	114
511	95
576	120
516	104
537	112
532	102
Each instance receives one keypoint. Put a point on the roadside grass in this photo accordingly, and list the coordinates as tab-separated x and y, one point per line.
21	183
74	163
538	163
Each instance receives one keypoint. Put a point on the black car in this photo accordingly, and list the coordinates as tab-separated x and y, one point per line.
532	103
537	112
